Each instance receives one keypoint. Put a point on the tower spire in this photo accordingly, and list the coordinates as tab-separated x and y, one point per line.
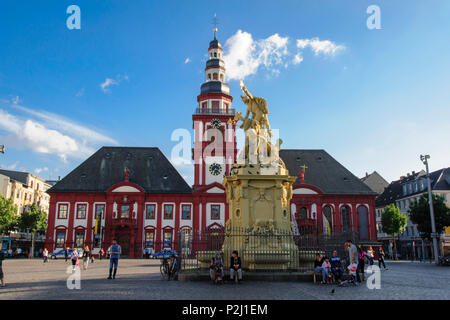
215	23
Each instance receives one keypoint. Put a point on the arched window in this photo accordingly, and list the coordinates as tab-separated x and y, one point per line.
221	77
327	220
215	76
363	222
303	213
345	216
209	76
215	54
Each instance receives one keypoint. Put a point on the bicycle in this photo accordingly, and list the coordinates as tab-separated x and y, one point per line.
167	270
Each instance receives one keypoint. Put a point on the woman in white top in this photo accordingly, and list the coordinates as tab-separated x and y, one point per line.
370	253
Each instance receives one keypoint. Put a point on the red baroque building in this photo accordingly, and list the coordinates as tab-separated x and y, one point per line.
136	196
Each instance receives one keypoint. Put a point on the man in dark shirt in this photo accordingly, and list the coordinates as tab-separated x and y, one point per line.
115	250
235	266
336	266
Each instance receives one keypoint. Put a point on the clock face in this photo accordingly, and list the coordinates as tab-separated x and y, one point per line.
215	169
215	123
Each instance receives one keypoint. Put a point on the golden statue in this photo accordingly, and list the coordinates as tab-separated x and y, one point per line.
258	148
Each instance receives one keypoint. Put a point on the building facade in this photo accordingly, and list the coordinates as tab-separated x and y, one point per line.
136	196
402	193
24	189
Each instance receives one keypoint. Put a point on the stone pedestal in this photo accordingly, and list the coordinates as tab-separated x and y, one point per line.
259	224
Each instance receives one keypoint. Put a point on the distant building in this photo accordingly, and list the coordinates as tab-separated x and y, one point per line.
375	182
403	193
24	189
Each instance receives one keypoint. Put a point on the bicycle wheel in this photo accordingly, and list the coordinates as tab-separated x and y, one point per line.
163	271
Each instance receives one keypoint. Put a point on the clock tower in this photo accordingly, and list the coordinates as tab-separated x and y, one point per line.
214	144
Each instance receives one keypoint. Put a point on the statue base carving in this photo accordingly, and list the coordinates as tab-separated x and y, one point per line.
259	224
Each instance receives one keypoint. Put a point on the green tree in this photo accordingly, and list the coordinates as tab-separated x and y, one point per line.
33	220
394	223
419	213
8	217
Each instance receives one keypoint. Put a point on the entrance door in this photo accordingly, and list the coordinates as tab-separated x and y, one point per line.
124	242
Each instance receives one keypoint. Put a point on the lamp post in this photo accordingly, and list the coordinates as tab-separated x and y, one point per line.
434	235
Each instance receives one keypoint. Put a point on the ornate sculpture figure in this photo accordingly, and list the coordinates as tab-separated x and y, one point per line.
258	149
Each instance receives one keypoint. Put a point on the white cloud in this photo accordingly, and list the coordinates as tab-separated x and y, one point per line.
47	133
15	100
187	60
297	59
39	170
12	166
318	46
113	82
107	83
60	123
244	55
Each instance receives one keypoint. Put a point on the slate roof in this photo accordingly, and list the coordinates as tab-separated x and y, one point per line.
19	176
323	172
375	182
149	168
440	180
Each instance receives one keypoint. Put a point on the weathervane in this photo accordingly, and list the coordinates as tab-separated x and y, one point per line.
215	23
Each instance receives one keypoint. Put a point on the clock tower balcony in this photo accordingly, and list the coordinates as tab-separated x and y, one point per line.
213	111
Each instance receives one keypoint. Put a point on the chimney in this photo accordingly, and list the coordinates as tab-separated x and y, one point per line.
367	174
413	173
59	178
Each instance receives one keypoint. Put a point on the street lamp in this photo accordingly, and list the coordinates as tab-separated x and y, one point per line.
434	235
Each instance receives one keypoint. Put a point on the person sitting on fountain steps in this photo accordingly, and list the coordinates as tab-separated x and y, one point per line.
216	268
235	266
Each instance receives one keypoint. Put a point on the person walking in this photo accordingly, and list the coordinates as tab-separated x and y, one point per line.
115	251
361	264
86	257
352	252
352	255
74	258
45	255
66	254
381	256
2	257
371	255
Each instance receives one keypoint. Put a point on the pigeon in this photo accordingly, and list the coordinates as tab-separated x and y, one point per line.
332	291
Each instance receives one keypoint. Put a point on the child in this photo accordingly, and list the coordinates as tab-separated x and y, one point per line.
74	258
327	267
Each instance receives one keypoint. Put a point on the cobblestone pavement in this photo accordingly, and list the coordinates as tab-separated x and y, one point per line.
140	279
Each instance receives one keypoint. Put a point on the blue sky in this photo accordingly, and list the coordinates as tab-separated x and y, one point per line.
375	100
